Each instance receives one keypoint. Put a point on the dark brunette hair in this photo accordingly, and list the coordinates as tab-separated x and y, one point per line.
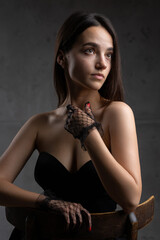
112	89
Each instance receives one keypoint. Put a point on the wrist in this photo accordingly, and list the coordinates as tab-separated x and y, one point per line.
85	133
42	202
94	134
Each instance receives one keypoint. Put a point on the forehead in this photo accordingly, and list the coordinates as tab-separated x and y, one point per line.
96	34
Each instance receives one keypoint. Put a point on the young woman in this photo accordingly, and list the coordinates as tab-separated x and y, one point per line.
88	154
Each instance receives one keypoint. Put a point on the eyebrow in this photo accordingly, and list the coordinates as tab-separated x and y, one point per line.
96	45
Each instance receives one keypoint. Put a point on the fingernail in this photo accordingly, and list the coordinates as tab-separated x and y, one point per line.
89	229
88	104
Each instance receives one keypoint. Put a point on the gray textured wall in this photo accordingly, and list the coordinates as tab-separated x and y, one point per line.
27	33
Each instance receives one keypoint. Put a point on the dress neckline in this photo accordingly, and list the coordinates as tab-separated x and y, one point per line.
80	169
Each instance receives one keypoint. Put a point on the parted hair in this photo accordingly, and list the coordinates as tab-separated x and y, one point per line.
74	25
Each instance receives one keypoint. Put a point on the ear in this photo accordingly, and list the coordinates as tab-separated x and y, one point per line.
61	58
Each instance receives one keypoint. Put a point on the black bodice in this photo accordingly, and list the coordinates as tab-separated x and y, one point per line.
83	186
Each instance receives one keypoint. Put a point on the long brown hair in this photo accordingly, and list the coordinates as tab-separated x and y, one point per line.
112	89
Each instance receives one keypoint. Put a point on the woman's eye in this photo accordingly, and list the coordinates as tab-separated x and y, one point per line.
109	55
89	51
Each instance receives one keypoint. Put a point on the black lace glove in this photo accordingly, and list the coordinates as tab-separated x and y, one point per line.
73	213
79	123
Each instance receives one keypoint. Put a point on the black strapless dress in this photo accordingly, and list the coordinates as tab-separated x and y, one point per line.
83	186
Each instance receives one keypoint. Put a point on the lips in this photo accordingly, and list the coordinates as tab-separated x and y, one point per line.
98	75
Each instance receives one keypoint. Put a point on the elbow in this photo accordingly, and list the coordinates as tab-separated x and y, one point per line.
129	208
132	202
130	205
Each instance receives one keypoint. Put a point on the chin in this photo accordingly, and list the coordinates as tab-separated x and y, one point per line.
96	86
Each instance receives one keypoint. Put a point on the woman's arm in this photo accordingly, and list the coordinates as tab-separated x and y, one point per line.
12	162
119	170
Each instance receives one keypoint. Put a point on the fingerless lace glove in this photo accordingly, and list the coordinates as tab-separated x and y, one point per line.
80	123
72	212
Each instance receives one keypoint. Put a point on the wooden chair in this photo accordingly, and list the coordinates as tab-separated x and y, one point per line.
39	224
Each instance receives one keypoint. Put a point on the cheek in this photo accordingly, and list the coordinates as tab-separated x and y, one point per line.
109	66
77	69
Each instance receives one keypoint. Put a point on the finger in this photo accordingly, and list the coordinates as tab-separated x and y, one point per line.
72	213
70	107
77	221
67	219
73	108
73	218
88	216
79	216
87	104
69	114
73	227
88	110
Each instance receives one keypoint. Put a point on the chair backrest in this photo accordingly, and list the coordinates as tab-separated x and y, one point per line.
108	225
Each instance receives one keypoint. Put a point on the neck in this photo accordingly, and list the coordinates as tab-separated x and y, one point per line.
80	98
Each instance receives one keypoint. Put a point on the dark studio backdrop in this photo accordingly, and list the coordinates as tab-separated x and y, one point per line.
27	34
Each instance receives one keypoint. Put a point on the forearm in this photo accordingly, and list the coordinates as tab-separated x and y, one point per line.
117	181
13	196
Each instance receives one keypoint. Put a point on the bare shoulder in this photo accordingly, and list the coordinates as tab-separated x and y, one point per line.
41	118
119	114
118	109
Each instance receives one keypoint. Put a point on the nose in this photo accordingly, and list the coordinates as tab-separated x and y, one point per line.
101	63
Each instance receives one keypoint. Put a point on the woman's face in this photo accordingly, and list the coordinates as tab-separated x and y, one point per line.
89	60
